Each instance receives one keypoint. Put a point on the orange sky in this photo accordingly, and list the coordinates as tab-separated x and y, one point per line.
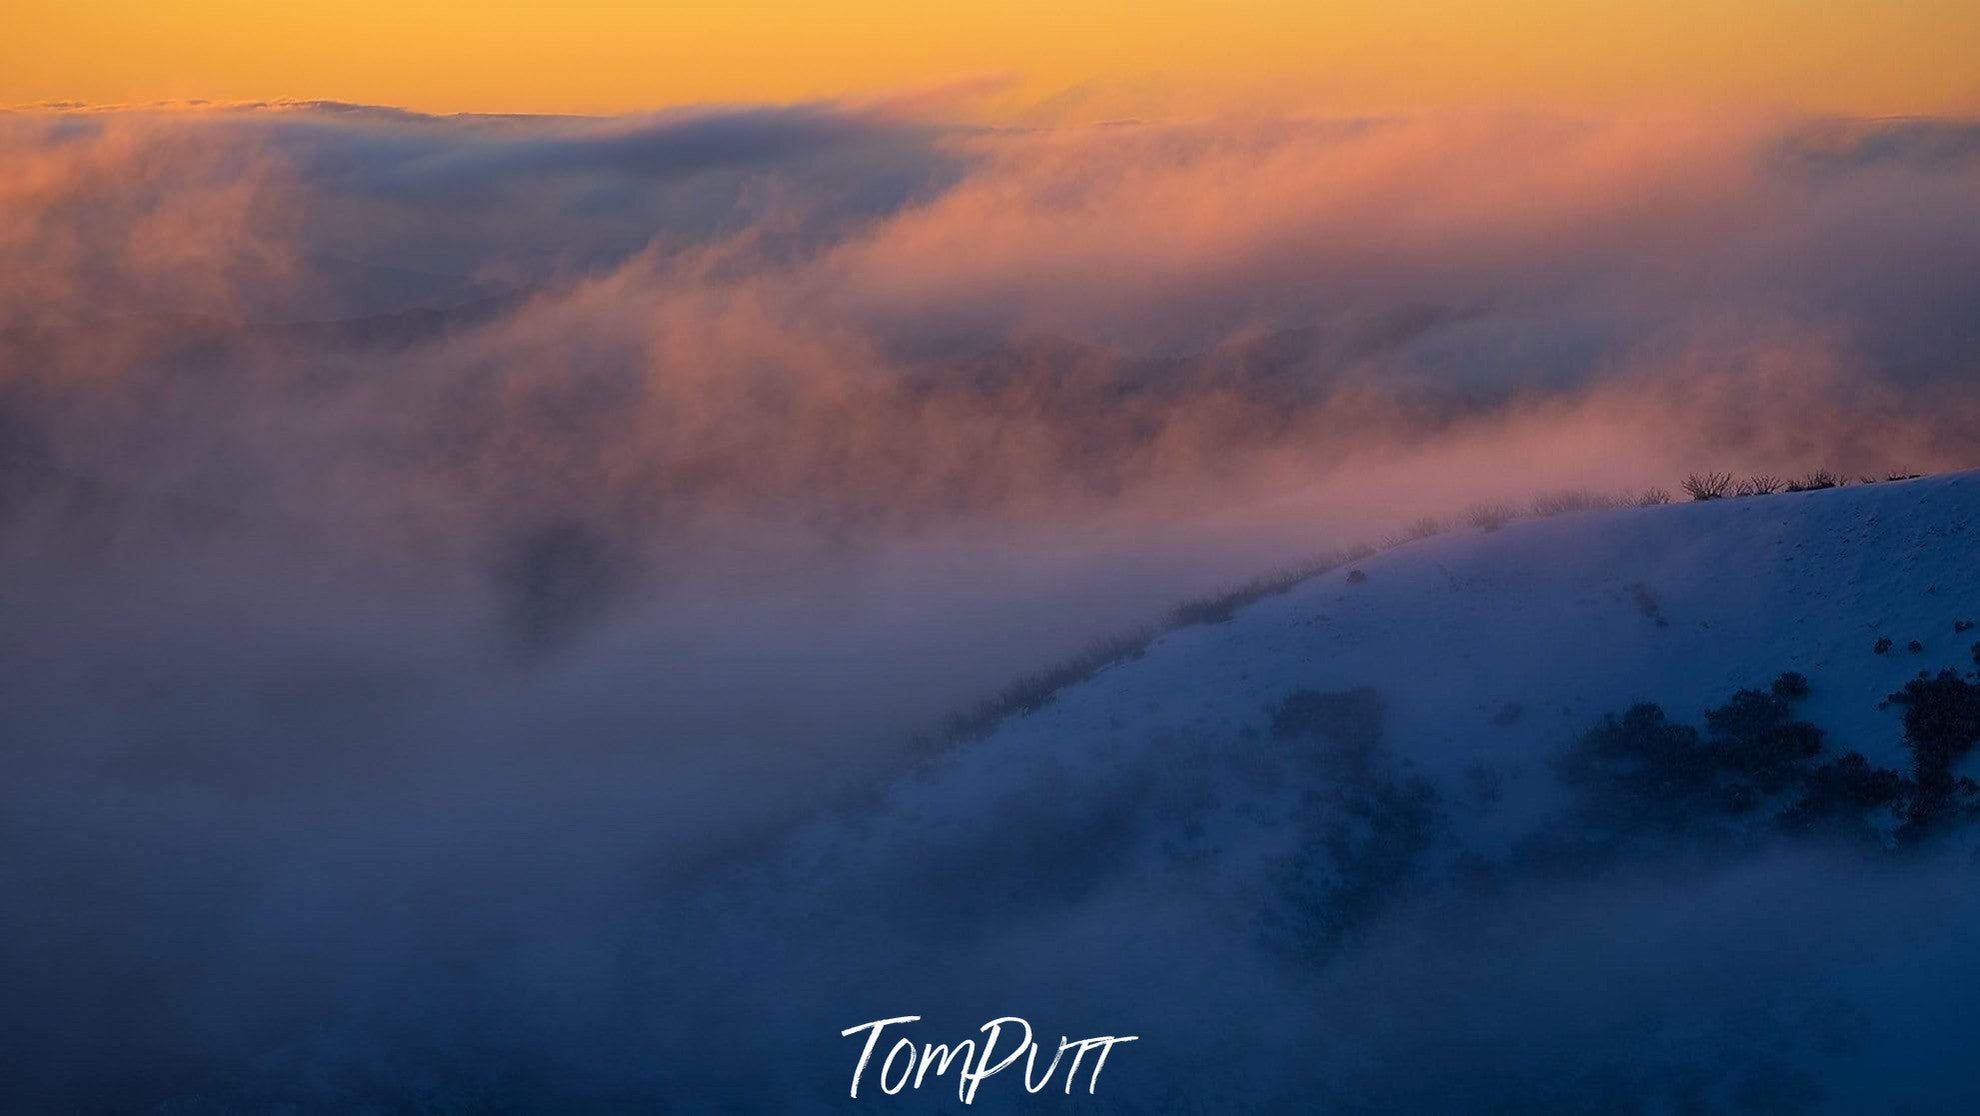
614	55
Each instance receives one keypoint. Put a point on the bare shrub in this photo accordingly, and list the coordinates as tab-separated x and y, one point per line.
1571	500
1815	481
1653	497
1425	528
1490	516
1034	691
1708	486
1215	608
1760	484
1219	607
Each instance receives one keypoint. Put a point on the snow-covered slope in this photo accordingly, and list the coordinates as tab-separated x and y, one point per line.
1236	835
1498	646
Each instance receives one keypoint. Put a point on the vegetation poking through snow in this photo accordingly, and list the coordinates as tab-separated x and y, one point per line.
1219	607
1034	691
1490	516
1366	826
1708	486
1941	725
1354	830
1573	500
1425	528
1642	773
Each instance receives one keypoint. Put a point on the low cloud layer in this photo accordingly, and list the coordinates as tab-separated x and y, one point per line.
438	552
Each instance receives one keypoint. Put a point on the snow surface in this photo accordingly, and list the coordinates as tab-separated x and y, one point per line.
1568	618
1150	824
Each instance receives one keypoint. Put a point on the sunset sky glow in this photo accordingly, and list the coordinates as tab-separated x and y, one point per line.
1089	56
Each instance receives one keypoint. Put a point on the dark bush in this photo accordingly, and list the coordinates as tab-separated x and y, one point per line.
1915	647
1941	717
1754	736
1640	771
1640	762
1761	484
1708	486
1941	724
1747	713
1845	790
1962	625
1639	776
1881	646
1356	577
